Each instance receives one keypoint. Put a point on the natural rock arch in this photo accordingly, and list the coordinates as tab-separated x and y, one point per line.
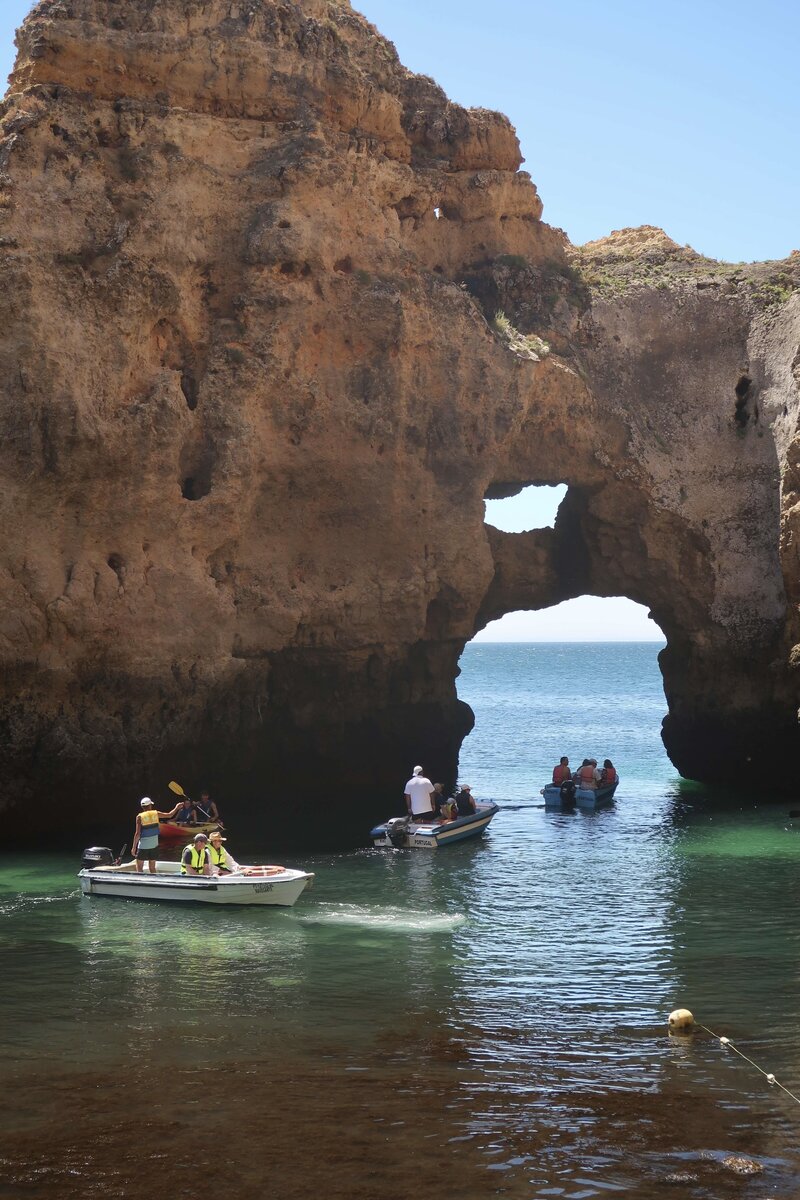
257	363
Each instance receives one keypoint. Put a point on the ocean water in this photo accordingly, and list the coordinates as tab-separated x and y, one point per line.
489	1020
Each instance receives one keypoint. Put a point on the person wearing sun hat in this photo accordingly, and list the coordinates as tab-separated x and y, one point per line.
222	861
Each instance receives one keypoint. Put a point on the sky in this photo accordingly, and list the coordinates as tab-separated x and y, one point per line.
682	114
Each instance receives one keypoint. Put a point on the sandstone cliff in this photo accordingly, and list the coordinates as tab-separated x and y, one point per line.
253	398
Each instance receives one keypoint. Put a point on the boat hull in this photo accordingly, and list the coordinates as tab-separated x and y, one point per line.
168	885
168	831
587	798
437	836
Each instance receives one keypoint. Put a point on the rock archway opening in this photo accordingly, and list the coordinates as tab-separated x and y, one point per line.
581	678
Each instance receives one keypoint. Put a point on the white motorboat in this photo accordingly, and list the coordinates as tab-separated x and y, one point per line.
253	885
402	833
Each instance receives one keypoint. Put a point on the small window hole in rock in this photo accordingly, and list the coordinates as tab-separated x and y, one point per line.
520	507
196	468
741	413
117	564
437	212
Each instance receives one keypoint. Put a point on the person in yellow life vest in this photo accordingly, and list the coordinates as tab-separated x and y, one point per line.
145	836
195	859
222	862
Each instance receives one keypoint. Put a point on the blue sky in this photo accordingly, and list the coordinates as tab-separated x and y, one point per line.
683	115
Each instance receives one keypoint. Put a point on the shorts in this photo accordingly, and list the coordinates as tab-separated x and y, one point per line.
144	854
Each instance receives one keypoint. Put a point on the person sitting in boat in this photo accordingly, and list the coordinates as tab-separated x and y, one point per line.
588	774
562	772
439	798
465	804
195	859
207	809
419	797
446	806
145	835
186	813
608	775
222	862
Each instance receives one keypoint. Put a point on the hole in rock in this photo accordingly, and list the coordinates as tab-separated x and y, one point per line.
437	212
196	468
189	389
194	487
742	389
517	507
581	678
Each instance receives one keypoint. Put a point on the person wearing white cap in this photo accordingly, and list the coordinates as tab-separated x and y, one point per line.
145	837
419	796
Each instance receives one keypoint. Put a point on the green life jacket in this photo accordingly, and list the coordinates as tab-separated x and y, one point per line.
218	857
199	858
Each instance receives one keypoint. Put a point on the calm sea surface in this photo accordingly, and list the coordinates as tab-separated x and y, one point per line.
486	1021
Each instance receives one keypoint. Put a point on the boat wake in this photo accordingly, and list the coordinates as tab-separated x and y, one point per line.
390	919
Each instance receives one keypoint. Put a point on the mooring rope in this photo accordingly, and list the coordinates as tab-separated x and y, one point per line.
727	1044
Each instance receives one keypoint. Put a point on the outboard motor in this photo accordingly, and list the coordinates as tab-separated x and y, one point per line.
98	856
568	792
397	831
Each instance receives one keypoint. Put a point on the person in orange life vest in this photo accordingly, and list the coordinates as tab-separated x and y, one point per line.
609	774
588	775
562	773
145	836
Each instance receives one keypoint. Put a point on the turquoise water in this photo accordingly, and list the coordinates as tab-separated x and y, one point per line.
488	1020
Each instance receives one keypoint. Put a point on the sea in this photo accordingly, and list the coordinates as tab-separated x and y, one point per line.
487	1020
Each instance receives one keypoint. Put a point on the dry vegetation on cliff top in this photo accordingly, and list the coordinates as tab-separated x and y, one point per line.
647	257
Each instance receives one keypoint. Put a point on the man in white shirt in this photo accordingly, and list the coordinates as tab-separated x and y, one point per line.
419	797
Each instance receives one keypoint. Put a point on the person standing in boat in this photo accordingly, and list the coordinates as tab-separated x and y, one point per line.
222	862
195	859
145	836
562	773
419	797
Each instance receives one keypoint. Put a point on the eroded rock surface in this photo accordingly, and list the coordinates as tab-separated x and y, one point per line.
253	398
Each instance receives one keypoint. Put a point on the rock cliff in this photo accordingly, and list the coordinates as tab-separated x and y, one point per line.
255	391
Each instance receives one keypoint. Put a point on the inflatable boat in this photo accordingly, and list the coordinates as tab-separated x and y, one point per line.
402	833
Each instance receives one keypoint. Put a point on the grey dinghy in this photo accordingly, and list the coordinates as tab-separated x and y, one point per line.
402	833
283	888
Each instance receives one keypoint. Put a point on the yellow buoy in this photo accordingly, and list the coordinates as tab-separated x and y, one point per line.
680	1021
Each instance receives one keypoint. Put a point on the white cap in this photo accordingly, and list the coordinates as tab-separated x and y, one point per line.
417	770
145	801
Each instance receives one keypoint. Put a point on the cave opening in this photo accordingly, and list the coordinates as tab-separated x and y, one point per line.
580	678
521	507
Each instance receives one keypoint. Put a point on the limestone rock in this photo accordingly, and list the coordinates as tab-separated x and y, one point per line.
252	402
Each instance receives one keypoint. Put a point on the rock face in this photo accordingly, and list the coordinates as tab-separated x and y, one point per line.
253	397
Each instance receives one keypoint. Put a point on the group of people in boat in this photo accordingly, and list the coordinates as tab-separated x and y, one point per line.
189	812
427	802
205	854
588	775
